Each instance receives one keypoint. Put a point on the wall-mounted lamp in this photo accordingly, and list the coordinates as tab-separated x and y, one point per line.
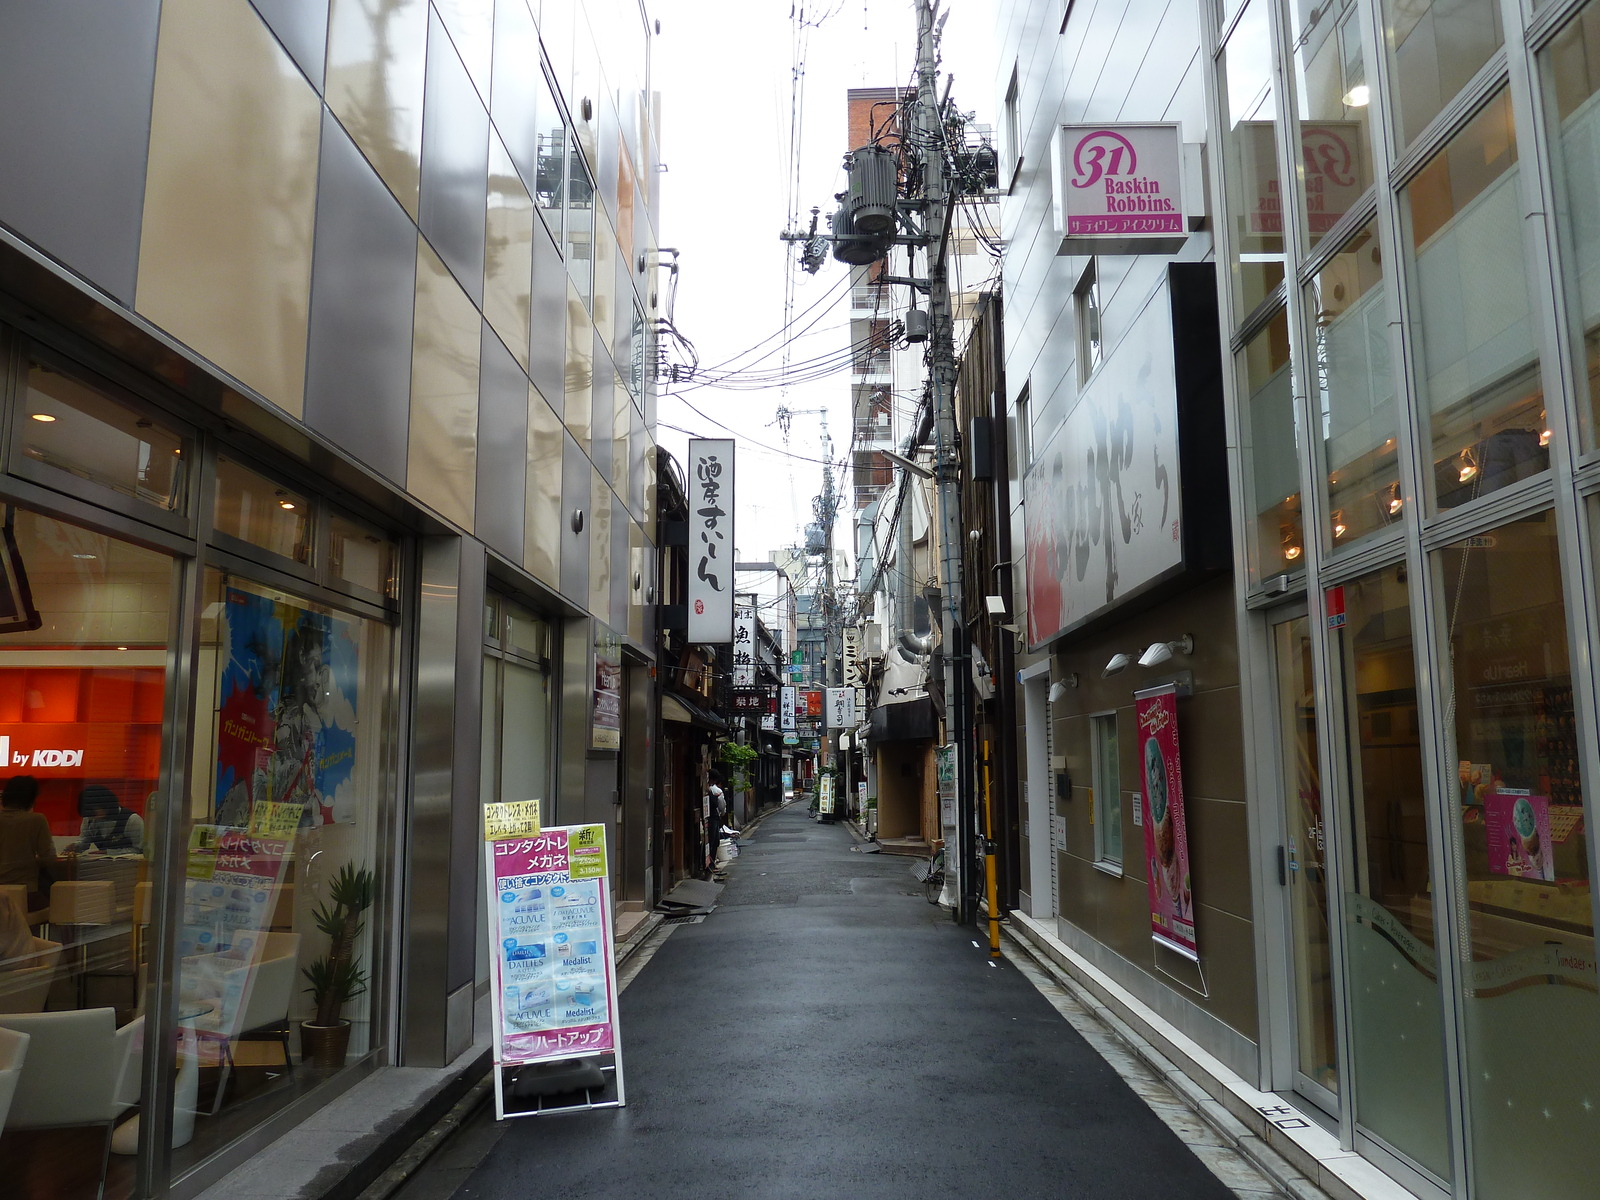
1160	652
996	605
1058	689
577	520
1118	663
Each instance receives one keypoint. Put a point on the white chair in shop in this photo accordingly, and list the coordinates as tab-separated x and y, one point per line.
13	1050
79	1070
25	981
255	997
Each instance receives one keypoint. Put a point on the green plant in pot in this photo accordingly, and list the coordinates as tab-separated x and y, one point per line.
738	760
337	978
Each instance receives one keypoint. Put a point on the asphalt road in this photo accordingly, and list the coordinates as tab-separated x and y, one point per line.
827	1032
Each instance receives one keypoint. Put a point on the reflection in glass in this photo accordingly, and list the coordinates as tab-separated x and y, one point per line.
1529	985
1355	387
580	224
291	786
1255	205
78	428
82	692
1479	359
377	69
1436	47
1305	855
1274	473
548	185
1572	73
254	509
1333	98
1396	1029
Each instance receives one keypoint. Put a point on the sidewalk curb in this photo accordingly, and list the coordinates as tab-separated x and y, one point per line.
1234	1132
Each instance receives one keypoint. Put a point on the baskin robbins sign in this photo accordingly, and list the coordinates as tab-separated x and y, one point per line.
1119	189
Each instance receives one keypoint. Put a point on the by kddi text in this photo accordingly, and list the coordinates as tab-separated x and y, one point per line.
37	758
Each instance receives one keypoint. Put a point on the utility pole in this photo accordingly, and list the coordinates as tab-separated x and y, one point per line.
947	467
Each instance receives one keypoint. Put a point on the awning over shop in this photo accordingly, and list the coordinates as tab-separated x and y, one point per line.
676	708
904	721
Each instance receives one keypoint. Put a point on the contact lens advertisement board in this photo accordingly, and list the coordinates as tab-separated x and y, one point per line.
554	990
1166	837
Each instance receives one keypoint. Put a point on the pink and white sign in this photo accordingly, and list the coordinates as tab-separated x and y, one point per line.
1120	181
1517	826
555	992
1166	836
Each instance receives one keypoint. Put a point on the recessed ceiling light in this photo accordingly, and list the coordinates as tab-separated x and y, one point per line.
121	647
45	417
286	504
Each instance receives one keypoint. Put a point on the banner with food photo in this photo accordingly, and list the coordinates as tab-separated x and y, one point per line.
1166	838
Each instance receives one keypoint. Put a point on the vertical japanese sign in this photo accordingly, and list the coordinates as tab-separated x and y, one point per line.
744	646
786	699
841	708
710	478
852	656
554	990
606	729
825	794
1166	838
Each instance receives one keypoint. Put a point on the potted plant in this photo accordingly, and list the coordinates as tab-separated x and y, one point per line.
337	978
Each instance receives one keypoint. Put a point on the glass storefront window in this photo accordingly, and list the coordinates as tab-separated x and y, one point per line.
83	656
361	555
1396	1024
1255	205
254	509
1572	79
1332	95
1436	47
1479	362
1532	1016
1267	382
281	932
1316	1049
1355	387
72	426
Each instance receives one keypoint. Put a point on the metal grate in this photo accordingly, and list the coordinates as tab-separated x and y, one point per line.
693	920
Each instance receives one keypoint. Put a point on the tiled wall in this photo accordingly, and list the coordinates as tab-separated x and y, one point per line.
348	207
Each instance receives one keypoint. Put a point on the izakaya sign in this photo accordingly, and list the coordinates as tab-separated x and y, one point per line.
841	708
710	478
744	647
1166	835
1117	186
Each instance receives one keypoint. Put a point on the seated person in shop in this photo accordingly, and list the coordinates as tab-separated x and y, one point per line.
107	826
27	851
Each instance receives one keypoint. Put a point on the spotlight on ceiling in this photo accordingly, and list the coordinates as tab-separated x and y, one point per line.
1160	652
1119	662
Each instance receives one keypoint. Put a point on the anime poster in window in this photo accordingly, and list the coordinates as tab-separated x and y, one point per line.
286	729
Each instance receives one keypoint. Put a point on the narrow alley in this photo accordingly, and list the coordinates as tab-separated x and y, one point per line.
827	1032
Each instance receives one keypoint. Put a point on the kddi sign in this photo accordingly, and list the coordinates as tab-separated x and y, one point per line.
37	758
1120	189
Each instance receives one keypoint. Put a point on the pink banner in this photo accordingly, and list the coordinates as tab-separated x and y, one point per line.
1166	838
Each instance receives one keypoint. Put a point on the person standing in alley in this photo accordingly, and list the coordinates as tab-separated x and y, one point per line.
718	804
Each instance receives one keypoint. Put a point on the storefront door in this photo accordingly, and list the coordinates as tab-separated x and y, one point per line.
1302	865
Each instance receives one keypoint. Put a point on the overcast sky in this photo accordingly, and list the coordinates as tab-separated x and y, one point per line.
723	69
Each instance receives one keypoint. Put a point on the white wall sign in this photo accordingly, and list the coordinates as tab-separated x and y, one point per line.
710	478
1103	501
786	703
841	708
852	656
1118	189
